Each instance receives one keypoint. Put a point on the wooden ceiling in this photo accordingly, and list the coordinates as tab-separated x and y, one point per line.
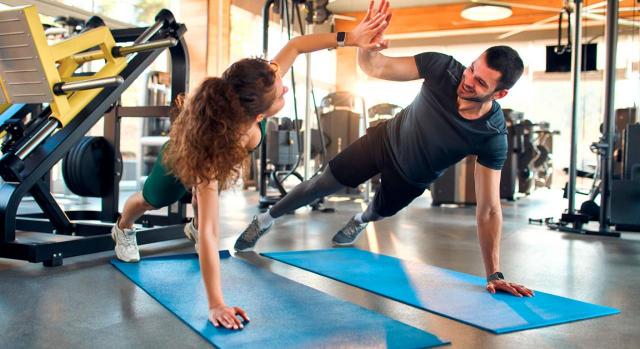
446	17
342	6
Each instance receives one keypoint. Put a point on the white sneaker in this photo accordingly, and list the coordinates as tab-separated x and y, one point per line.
191	233
126	244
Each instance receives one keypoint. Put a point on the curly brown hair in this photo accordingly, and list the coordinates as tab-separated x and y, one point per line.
205	139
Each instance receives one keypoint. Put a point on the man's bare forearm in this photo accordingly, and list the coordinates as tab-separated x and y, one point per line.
489	232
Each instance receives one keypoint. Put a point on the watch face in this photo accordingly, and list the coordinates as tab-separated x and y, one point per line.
495	276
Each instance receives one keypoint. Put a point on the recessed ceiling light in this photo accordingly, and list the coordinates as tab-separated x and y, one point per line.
483	12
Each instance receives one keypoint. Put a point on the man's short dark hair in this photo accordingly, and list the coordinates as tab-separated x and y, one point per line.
507	61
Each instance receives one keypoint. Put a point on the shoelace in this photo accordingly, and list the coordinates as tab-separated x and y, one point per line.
252	231
352	228
129	239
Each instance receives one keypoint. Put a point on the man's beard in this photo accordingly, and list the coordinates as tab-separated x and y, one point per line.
477	99
481	99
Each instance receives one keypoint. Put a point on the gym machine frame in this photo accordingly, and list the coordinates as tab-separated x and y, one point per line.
571	221
265	200
25	165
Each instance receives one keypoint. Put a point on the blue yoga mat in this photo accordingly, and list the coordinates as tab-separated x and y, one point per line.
283	313
456	295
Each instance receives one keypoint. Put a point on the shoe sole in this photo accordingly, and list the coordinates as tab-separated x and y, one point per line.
344	244
248	249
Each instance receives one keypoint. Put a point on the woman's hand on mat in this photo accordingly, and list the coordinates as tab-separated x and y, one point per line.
222	315
368	33
509	287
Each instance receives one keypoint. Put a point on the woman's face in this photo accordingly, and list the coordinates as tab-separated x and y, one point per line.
280	90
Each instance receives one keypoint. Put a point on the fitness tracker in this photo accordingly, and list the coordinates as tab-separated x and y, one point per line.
495	276
341	38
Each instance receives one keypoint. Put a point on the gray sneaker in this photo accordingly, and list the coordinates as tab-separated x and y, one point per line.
249	237
349	233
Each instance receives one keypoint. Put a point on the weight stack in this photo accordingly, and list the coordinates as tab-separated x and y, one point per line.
625	204
631	162
282	147
342	127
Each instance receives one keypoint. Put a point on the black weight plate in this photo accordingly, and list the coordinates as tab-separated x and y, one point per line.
67	168
76	167
75	177
89	167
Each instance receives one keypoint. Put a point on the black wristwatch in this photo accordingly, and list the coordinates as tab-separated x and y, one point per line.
341	37
495	276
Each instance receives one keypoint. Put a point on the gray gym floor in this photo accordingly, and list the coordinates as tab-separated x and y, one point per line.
86	303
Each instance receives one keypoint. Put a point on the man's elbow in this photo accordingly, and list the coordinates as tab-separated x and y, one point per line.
367	69
375	72
379	73
367	64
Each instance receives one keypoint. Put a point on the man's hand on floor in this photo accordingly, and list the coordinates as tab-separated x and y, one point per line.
509	287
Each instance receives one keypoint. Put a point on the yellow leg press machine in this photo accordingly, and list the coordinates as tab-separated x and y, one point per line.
46	108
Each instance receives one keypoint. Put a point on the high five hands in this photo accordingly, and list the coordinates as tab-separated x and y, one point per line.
369	33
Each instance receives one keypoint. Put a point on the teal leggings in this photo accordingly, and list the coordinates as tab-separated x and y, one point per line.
161	188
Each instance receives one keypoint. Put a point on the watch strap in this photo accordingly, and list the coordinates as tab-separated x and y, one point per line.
495	276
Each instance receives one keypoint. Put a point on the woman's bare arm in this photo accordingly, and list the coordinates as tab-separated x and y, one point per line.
208	231
361	36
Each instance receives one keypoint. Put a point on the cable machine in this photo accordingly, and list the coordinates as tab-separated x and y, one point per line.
572	221
290	12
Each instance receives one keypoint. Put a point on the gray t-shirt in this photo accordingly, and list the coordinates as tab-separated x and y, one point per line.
430	135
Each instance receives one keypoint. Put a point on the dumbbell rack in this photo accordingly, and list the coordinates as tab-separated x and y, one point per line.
50	236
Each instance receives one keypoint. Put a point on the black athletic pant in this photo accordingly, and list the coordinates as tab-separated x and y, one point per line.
365	158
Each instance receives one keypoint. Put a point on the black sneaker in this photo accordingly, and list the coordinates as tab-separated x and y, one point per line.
349	233
247	240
